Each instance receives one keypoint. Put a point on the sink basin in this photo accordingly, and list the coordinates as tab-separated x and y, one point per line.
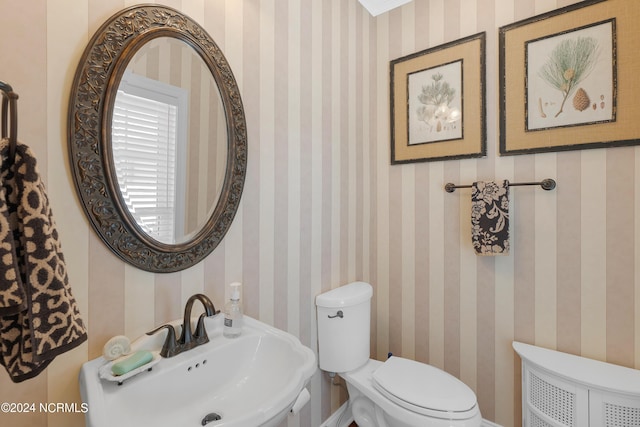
249	381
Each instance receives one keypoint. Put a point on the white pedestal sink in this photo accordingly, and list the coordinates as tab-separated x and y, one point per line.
249	381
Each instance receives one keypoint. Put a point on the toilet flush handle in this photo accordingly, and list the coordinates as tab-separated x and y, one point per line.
338	314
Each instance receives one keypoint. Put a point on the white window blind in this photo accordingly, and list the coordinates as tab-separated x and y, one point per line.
144	142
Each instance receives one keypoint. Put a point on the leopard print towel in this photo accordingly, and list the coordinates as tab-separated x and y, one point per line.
39	317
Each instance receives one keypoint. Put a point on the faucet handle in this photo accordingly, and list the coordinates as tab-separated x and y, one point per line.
170	343
201	331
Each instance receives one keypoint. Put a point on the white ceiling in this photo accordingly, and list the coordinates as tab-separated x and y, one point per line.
376	7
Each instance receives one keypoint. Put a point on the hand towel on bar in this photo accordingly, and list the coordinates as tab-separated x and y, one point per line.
40	318
490	217
12	297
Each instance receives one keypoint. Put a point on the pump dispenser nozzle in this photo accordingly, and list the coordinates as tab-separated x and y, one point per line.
235	291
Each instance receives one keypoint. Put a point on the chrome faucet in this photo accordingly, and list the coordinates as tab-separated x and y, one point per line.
188	339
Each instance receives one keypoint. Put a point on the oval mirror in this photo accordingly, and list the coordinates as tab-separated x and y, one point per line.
157	138
168	140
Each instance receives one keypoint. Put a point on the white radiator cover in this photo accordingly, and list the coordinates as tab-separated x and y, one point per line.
563	390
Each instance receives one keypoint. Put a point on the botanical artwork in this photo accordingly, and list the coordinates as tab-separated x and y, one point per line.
435	99
570	78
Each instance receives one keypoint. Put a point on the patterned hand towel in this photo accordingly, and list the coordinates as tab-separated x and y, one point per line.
490	217
12	297
39	317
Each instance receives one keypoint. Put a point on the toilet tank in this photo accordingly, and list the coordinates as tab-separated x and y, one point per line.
344	327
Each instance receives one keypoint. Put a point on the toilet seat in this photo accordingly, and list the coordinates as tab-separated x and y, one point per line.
423	389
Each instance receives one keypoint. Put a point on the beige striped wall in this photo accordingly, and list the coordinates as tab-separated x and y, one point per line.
322	206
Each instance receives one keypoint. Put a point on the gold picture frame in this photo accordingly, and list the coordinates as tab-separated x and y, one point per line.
568	79
438	109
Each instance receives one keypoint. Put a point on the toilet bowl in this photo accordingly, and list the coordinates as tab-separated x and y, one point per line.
396	393
444	401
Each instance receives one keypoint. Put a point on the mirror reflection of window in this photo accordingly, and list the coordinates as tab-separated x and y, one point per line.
148	140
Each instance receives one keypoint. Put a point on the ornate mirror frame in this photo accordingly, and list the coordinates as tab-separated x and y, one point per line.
89	124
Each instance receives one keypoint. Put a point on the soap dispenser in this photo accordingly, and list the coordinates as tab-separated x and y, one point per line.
233	313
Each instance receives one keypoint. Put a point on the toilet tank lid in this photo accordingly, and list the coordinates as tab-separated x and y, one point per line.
345	296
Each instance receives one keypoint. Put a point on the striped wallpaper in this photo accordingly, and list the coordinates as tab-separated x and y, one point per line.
323	207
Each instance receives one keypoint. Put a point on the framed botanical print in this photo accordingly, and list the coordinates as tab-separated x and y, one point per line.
438	102
567	79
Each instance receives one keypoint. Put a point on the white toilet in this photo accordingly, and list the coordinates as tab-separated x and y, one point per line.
396	393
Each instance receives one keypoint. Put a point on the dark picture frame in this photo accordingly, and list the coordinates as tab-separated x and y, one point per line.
563	83
438	109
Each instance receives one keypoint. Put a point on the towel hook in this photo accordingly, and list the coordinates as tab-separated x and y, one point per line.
10	109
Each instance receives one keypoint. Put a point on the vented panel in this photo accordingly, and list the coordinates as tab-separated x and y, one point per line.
621	416
564	390
554	402
536	421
